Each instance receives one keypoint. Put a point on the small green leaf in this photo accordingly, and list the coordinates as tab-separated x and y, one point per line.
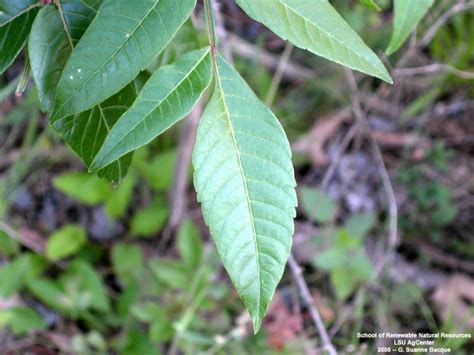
317	205
13	37
407	15
360	225
172	273
8	245
12	9
316	26
371	4
167	97
21	320
86	188
245	182
66	241
159	170
120	42
118	201
149	221
190	244
127	260
13	275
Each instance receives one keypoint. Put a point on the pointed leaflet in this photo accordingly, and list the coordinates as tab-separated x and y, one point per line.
167	97
49	50
407	15
50	45
245	183
13	38
86	131
11	9
121	41
316	26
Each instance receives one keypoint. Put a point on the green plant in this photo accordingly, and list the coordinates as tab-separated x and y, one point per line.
88	59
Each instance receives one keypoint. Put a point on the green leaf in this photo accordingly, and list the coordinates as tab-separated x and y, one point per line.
407	15
149	221
11	9
83	283
21	320
316	26
78	14
49	50
66	241
317	205
83	187
172	273
127	260
8	245
13	275
245	182
371	4
13	38
121	41
117	203
360	225
159	170
190	244
167	97
86	131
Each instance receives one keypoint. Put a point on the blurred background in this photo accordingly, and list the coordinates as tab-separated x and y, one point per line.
385	225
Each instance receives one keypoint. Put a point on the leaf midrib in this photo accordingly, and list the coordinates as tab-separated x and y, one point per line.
158	104
328	34
244	179
132	33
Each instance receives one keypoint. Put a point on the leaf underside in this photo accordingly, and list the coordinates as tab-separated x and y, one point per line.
407	15
167	97
13	37
121	41
9	10
316	26
245	182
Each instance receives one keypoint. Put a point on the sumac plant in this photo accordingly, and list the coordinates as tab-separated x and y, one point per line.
84	57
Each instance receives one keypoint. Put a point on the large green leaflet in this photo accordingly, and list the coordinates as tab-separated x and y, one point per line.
49	50
245	182
316	26
407	15
168	96
9	10
121	41
13	38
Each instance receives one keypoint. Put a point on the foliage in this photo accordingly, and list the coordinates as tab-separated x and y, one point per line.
90	60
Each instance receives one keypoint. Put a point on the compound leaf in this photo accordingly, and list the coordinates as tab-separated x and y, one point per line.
407	15
13	38
316	26
245	182
121	41
167	97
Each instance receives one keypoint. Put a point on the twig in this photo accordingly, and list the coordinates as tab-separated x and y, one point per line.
304	290
429	35
387	185
434	68
285	58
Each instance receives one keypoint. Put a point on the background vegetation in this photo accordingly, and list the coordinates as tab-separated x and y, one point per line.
90	267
